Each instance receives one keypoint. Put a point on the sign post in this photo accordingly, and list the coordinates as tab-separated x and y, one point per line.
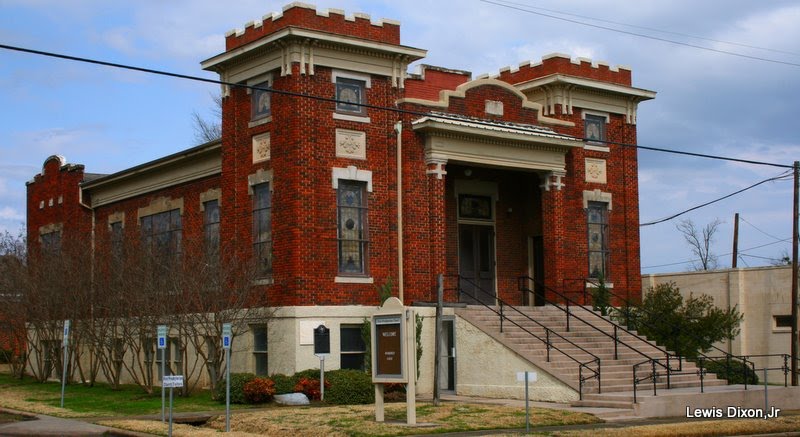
322	347
527	377
161	333
171	381
64	344
226	344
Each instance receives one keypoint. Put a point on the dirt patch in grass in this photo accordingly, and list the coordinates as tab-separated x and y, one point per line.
358	420
704	428
6	417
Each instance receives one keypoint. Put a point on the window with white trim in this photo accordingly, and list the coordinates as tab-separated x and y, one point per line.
351	347
262	228
597	223
260	101
352	227
260	349
594	128
350	96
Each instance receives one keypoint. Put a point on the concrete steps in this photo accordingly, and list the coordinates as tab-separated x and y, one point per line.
591	336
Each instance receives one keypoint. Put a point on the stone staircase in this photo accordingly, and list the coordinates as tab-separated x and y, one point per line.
583	342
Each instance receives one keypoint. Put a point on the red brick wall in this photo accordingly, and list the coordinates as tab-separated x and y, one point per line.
308	19
54	182
563	65
432	81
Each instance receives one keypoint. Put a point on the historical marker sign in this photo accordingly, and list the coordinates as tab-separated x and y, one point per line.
173	381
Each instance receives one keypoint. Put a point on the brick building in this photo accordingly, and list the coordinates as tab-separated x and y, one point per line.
500	178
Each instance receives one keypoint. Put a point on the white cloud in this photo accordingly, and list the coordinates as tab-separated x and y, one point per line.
8	213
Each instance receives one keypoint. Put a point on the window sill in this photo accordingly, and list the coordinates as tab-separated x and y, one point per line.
260	121
353	280
597	147
263	281
593	285
346	117
781	330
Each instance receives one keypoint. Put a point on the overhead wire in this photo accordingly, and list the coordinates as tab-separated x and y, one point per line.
442	116
641	35
779	177
757	228
785	240
653	29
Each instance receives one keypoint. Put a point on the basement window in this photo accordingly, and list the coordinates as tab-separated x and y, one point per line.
782	322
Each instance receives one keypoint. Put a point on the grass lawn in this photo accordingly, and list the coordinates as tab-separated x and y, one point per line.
100	400
358	420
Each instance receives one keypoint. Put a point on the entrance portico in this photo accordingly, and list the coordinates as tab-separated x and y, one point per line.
502	187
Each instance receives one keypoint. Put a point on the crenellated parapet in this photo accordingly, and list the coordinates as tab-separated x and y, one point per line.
307	16
559	63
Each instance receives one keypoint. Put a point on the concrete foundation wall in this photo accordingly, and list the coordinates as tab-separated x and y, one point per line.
487	368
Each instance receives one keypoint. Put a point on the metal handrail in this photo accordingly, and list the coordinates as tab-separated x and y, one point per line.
524	288
546	341
628	304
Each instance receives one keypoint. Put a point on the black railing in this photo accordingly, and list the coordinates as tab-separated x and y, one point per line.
501	312
628	315
523	280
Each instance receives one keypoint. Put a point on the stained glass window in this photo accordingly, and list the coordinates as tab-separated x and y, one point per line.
262	228
597	220
352	227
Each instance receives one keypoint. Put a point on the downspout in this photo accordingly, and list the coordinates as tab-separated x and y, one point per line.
398	127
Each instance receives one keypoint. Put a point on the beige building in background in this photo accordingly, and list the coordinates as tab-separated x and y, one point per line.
763	296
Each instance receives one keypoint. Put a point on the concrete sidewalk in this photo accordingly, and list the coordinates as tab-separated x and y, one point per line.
43	425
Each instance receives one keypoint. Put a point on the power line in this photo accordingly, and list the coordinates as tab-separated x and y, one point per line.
759	230
441	116
653	29
724	254
779	177
641	35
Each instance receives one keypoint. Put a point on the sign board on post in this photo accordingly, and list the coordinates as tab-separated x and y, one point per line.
226	335
173	381
66	333
393	354
389	347
322	340
162	336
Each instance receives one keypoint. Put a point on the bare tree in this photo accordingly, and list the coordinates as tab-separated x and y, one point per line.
13	254
208	130
700	241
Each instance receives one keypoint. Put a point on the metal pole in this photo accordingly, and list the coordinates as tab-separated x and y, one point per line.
63	374
163	390
228	390
735	254
527	407
766	397
170	412
398	127
795	340
322	377
437	346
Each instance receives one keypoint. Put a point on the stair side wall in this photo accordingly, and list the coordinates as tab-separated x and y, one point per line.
487	368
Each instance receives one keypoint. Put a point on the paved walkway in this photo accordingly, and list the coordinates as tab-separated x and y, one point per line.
42	425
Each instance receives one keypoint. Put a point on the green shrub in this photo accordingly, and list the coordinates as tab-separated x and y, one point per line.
349	387
283	384
238	381
259	390
308	373
734	371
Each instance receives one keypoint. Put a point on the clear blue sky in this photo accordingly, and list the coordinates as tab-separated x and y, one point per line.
707	102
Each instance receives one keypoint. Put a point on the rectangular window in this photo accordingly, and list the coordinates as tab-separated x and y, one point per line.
262	228
161	236
353	232
51	243
594	128
597	220
350	96
260	101
260	349
783	321
352	347
211	228
116	249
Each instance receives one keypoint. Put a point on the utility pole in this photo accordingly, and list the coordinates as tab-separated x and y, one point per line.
795	340
735	240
